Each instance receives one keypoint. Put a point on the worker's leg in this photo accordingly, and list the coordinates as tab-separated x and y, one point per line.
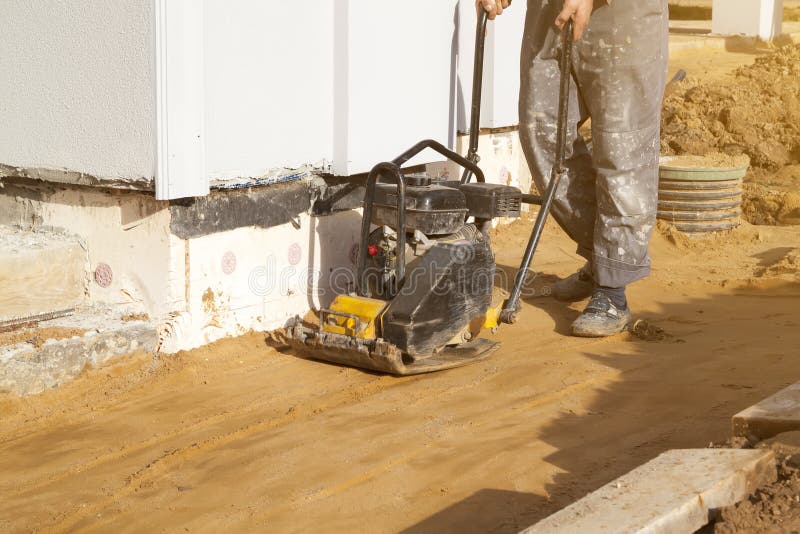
621	71
574	206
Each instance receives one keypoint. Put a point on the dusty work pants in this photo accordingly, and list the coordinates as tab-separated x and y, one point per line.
607	201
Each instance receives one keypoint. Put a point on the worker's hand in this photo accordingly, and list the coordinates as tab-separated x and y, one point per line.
577	10
493	7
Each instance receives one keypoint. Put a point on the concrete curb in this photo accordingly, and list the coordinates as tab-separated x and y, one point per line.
672	493
27	370
772	416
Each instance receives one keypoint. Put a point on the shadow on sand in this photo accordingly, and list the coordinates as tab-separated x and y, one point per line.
719	356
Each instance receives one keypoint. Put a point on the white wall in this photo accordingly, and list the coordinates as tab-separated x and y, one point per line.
339	83
77	87
501	66
268	85
393	81
755	18
344	82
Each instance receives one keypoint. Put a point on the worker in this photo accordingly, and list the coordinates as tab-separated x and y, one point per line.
607	200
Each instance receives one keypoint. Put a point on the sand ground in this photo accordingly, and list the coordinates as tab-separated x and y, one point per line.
239	437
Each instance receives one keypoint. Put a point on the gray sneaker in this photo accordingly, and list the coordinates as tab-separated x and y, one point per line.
601	318
576	286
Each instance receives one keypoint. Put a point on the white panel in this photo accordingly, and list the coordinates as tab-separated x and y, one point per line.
269	85
180	171
77	89
771	19
396	84
501	66
755	18
506	39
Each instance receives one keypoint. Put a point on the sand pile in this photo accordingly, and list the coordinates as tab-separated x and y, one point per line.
764	205
775	507
709	160
756	113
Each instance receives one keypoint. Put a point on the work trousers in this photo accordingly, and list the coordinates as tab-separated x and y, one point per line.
607	200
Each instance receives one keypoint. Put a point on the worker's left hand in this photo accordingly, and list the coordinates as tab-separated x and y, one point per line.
493	7
577	10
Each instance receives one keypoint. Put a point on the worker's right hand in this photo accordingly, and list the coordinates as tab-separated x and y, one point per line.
493	7
577	10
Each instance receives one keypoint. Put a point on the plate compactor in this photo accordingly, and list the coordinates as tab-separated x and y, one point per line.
426	272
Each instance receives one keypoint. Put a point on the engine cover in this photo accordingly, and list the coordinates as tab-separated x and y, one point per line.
430	208
444	291
487	201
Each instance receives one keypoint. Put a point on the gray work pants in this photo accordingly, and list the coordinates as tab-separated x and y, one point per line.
607	201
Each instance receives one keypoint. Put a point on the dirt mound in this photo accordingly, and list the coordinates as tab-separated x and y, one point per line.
711	241
785	179
773	508
756	113
766	205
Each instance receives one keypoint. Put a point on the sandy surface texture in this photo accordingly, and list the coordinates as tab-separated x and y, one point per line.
37	336
711	160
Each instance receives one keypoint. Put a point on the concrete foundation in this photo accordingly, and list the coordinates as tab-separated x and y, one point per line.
672	493
773	415
236	260
27	369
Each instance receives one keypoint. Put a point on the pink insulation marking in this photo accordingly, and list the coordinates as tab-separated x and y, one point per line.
228	262
295	253
103	275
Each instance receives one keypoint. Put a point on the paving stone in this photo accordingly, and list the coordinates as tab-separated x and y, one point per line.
773	415
672	493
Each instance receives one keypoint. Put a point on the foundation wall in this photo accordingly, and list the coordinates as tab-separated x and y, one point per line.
234	262
126	236
259	278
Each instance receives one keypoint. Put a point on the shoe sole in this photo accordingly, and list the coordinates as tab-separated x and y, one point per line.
595	333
